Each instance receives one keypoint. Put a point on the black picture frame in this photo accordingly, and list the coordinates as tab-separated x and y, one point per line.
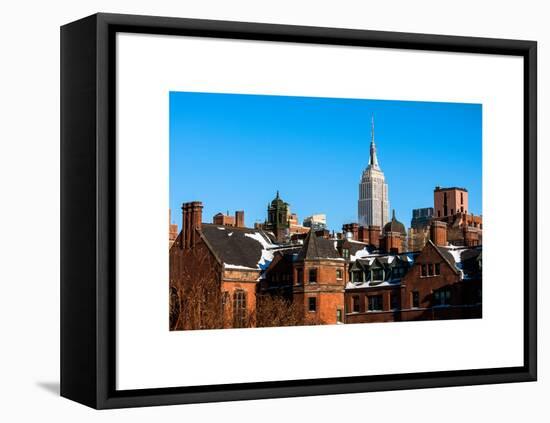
88	199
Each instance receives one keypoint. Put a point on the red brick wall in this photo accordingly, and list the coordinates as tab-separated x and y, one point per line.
414	281
457	201
392	242
438	232
328	291
365	316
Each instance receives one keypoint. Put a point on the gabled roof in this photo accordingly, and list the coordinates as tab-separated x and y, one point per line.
316	248
462	259
239	247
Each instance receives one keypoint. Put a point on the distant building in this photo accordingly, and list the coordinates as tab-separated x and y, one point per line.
278	215
419	232
316	222
421	218
451	208
449	201
280	221
394	236
227	220
374	203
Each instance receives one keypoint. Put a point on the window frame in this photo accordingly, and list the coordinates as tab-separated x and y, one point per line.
415	295
309	273
371	302
310	301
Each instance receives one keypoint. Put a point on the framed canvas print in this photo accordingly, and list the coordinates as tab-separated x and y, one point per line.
258	211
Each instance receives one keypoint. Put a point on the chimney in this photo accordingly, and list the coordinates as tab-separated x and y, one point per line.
192	221
183	225
363	235
239	219
438	232
374	235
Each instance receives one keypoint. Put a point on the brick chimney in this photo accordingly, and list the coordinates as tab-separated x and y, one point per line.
239	219
438	232
363	235
374	235
192	221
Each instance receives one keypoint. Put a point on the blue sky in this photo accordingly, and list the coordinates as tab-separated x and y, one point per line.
233	152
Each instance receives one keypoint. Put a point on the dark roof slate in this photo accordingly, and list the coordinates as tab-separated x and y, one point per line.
316	247
234	247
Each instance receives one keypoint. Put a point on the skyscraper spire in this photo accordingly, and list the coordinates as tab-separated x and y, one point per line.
373	207
373	161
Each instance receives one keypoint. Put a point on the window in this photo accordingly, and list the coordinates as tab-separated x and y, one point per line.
430	269
312	275
462	199
339	315
439	213
415	299
345	253
375	302
355	306
377	274
357	276
442	297
299	276
394	301
239	309
339	274
312	304
437	269
424	271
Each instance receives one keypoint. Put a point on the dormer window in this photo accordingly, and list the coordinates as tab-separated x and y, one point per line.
345	253
357	276
377	275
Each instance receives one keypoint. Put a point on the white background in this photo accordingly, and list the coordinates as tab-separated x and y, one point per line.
252	67
29	171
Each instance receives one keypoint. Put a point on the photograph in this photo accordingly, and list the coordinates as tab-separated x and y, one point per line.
296	211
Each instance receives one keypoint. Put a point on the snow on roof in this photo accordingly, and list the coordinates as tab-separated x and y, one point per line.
267	253
409	257
369	284
364	253
237	267
455	252
221	228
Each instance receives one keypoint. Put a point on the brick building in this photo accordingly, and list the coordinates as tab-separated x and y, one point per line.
222	274
214	270
439	282
448	201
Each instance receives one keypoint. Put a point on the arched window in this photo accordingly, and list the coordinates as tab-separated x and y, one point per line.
239	309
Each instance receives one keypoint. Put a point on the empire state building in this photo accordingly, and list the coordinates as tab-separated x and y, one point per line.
373	204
